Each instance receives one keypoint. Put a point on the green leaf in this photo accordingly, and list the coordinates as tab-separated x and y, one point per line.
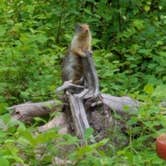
146	8
2	30
4	162
139	24
88	133
160	91
149	89
3	107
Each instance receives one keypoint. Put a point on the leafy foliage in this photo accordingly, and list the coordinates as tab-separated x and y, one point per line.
130	54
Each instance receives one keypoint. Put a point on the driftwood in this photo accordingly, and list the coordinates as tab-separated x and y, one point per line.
124	106
27	111
78	115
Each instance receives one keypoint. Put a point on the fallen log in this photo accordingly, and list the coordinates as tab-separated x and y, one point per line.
121	105
27	111
98	120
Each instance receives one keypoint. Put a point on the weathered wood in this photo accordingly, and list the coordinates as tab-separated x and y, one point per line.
58	121
69	85
79	115
121	105
91	79
27	111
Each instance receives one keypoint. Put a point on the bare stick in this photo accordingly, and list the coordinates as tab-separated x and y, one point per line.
27	111
68	85
79	115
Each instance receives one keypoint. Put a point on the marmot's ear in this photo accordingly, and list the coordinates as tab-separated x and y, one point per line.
78	27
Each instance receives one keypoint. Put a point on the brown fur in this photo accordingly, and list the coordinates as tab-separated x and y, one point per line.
81	42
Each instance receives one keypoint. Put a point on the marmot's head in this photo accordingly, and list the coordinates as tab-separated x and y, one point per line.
82	28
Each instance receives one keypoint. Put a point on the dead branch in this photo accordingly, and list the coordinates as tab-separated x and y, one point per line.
58	121
78	115
91	79
27	111
121	105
